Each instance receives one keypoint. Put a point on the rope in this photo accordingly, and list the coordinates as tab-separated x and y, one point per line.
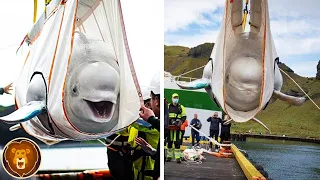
97	24
133	71
300	88
192	70
210	139
107	145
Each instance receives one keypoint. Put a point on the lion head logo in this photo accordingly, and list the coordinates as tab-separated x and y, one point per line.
21	158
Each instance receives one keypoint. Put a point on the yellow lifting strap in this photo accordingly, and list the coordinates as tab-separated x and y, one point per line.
47	1
245	13
35	8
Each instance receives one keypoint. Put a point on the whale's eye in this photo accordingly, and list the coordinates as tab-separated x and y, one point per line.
75	90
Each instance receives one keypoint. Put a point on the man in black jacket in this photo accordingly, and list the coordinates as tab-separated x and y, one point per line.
225	129
195	122
215	128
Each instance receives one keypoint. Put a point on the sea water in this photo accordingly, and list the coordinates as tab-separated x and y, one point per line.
284	159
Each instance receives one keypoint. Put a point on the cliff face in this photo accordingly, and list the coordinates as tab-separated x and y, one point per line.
202	50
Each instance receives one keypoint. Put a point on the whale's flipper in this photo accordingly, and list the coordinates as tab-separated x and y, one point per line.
296	101
25	113
196	84
204	82
261	123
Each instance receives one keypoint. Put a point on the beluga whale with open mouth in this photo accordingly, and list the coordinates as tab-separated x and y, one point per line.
92	86
78	81
242	75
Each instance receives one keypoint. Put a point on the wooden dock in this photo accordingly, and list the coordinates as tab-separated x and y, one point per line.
211	168
235	168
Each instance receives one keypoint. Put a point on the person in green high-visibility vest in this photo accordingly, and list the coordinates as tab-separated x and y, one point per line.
145	140
125	159
177	116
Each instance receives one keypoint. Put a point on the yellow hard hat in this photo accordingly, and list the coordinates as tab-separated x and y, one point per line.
175	95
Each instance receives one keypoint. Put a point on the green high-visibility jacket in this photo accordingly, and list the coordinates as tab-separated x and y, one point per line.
144	165
178	111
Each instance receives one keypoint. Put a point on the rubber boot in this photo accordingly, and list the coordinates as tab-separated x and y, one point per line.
178	155
170	154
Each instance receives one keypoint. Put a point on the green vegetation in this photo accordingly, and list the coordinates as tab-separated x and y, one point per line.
280	117
317	170
177	61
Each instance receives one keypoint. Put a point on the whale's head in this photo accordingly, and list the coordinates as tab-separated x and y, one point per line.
93	86
243	83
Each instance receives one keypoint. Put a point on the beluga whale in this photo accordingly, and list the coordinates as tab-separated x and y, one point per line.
92	87
77	84
242	75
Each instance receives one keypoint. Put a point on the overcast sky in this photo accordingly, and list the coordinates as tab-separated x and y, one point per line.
295	27
143	21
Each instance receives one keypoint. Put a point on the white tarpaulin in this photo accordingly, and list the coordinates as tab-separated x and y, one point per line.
222	55
50	53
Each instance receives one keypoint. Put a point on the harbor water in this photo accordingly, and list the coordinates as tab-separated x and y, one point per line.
284	159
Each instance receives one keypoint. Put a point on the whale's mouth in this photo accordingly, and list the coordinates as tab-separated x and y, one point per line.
102	109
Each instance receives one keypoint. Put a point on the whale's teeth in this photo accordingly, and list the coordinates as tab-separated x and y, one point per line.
102	109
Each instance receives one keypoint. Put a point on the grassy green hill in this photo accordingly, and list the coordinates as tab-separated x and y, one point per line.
280	117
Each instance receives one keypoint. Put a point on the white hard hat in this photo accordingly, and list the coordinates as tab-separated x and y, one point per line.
145	92
155	83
